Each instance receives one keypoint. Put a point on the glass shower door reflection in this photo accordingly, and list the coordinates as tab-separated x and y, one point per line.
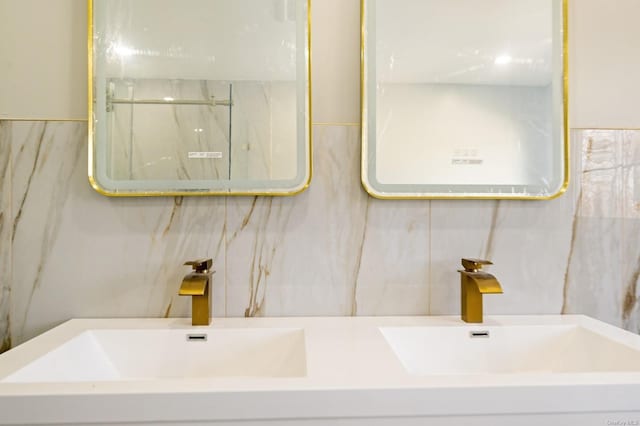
169	130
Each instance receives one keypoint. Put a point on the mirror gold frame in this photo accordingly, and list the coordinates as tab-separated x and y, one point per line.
92	175
407	195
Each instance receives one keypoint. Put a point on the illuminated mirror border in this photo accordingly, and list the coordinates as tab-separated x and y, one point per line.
423	191
293	187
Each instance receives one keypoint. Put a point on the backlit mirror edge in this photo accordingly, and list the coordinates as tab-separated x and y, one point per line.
372	191
91	173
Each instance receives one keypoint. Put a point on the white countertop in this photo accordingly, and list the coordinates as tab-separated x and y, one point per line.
351	370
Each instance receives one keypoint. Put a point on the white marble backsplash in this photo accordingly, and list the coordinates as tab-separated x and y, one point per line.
66	251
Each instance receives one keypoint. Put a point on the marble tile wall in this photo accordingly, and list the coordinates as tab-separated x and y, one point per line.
66	251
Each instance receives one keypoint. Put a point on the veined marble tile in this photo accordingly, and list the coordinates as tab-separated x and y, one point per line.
630	272
528	241
5	235
331	250
602	279
84	255
631	231
393	273
300	255
40	183
601	176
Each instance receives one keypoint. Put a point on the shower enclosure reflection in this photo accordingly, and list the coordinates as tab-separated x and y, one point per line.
225	132
200	97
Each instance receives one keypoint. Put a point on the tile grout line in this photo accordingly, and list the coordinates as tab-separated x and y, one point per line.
226	275
6	340
430	261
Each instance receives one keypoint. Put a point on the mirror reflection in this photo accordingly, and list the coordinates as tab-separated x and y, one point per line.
200	97
464	98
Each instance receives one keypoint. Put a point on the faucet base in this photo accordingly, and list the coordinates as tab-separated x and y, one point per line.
471	303
200	310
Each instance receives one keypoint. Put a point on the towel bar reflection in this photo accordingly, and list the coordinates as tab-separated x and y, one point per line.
212	102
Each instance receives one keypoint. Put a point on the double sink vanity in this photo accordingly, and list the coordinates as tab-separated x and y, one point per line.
496	370
510	370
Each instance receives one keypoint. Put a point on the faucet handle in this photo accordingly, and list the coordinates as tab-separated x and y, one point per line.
472	265
200	265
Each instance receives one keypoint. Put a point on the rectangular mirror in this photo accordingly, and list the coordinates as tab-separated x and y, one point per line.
199	97
464	98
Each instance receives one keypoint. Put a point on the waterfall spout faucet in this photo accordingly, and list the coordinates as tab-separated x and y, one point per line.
473	284
197	284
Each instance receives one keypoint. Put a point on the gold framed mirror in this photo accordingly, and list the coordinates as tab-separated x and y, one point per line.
464	99
199	97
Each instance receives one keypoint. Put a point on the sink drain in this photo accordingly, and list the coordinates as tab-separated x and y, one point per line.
196	337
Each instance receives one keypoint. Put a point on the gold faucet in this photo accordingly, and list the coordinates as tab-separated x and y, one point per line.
474	283
197	284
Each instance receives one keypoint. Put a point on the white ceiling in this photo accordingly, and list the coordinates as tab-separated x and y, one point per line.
459	41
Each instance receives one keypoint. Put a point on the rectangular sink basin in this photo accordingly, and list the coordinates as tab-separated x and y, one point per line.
116	355
505	349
